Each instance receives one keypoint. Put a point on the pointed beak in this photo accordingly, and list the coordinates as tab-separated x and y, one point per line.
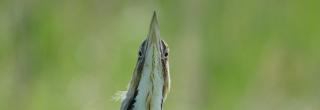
153	53
154	32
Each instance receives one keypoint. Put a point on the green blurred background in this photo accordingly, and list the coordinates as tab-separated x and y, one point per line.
224	54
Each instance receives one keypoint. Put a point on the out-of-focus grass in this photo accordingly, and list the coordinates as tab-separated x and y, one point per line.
224	54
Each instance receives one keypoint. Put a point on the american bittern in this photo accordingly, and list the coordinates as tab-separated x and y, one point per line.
150	82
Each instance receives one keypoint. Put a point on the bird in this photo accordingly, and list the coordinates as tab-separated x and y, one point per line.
150	82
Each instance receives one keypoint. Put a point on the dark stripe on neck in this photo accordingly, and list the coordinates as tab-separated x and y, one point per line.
139	69
132	100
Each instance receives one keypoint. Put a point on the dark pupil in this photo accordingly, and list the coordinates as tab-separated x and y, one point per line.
140	53
166	54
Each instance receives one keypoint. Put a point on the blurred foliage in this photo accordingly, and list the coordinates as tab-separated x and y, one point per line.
224	54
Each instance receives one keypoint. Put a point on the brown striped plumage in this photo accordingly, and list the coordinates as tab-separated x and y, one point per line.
151	77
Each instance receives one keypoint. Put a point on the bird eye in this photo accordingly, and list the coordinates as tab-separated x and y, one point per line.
140	53
166	54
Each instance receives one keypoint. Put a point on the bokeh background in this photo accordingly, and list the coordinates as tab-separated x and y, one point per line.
224	54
